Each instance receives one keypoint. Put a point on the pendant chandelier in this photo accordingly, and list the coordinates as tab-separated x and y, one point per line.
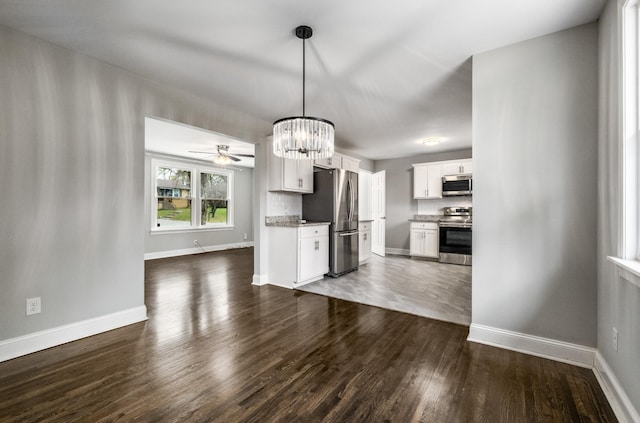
303	137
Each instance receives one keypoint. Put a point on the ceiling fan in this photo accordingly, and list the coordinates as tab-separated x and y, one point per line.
222	155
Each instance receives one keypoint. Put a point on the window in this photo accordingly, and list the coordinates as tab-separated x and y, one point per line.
173	200
190	197
214	198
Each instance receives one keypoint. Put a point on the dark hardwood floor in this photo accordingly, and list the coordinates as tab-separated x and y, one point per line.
216	348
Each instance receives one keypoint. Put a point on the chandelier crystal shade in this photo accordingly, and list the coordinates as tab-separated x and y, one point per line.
303	137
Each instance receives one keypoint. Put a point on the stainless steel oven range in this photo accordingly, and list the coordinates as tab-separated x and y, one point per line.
455	236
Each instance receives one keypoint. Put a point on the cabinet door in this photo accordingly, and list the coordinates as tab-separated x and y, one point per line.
416	242
420	182
306	258
333	162
305	174
297	175
451	168
290	179
434	181
430	243
350	164
466	166
313	257
454	168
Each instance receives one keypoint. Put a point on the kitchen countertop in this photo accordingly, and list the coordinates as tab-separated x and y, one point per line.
290	222
426	218
366	220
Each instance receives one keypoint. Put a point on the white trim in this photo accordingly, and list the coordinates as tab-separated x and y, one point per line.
281	285
259	280
628	270
196	250
618	399
189	230
397	251
27	344
565	352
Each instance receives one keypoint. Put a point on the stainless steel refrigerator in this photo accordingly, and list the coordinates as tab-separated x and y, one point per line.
335	200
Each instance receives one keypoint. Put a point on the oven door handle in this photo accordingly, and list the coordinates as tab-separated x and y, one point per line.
455	225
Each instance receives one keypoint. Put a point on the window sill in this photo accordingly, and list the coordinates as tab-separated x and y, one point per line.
190	230
627	269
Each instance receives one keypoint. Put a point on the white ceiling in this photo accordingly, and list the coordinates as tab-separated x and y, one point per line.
388	74
180	140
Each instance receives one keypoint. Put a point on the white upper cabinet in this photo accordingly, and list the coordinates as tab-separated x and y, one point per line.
457	166
290	175
352	165
427	180
338	161
333	162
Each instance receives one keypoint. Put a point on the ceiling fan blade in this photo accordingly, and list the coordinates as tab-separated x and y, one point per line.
235	159
202	152
245	155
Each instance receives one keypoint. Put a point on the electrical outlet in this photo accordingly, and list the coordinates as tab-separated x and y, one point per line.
615	339
245	237
195	242
33	306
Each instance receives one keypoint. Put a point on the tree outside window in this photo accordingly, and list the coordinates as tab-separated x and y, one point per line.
213	199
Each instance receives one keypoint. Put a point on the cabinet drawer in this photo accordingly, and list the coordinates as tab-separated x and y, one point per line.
364	226
424	225
313	231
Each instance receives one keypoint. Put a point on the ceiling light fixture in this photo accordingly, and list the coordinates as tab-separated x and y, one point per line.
303	137
431	141
221	159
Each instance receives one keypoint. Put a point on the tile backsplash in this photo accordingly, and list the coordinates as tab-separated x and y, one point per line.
436	206
284	204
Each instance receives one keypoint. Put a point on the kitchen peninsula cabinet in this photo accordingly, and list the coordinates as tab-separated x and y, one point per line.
298	254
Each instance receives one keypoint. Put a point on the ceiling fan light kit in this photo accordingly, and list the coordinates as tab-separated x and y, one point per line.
222	156
303	137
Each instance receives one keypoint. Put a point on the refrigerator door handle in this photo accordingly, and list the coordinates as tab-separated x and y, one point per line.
349	233
349	193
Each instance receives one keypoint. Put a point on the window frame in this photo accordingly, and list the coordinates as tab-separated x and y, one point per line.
630	150
196	197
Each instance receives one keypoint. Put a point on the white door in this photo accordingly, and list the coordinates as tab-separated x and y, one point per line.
378	213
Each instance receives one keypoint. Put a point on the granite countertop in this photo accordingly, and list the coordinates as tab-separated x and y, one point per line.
293	221
426	218
365	220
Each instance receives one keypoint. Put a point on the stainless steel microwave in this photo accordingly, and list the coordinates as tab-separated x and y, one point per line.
453	185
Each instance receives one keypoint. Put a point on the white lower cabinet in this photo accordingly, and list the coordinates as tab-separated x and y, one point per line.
313	257
364	247
423	241
298	255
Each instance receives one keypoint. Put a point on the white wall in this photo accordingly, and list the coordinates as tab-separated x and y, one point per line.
155	244
618	300
72	166
535	178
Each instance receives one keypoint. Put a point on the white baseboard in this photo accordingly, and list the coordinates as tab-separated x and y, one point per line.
259	280
196	250
618	399
565	352
27	344
397	251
